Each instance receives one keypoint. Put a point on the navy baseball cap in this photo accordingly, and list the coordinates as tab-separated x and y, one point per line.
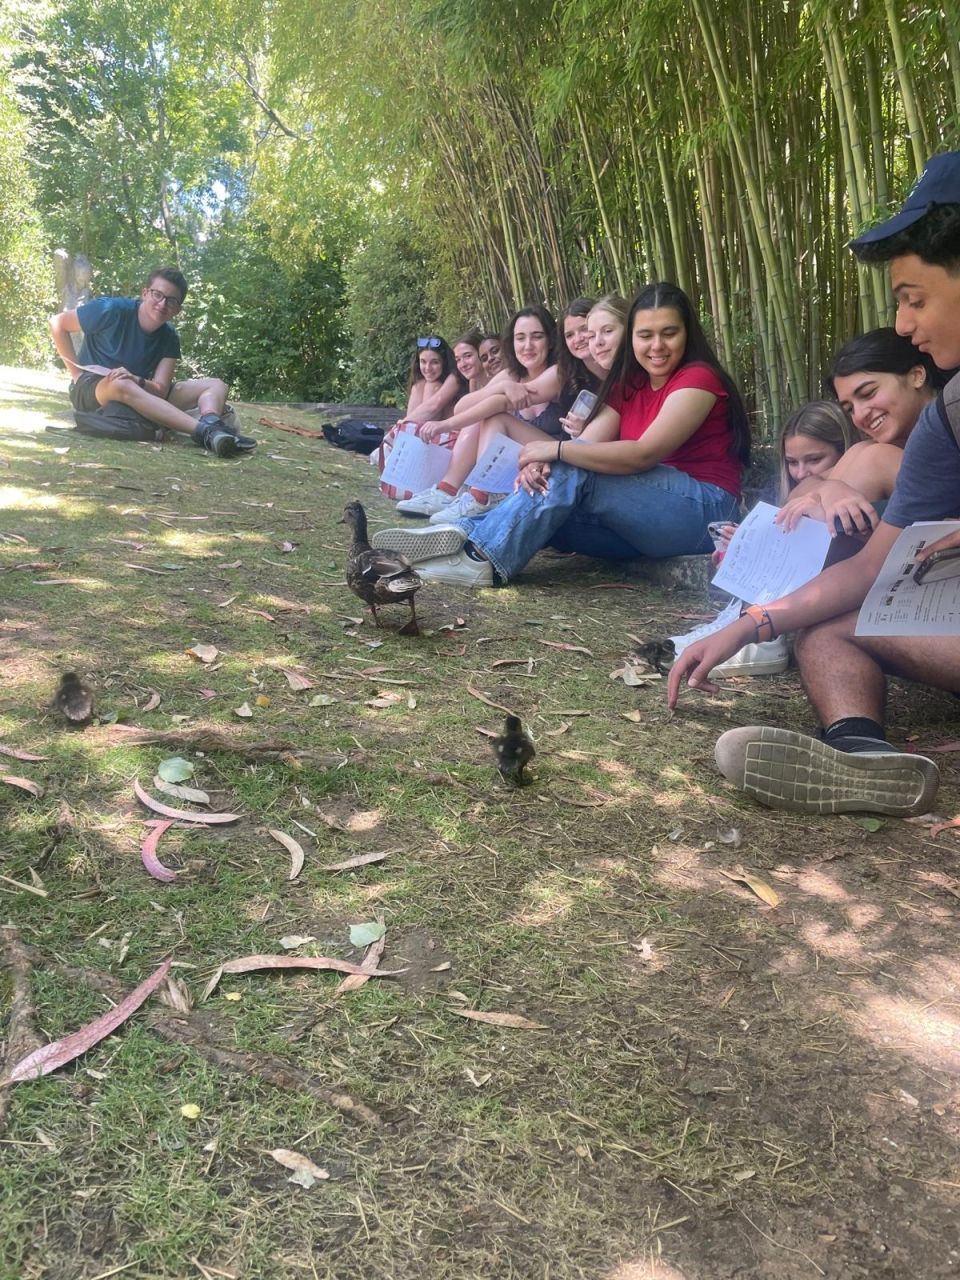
938	184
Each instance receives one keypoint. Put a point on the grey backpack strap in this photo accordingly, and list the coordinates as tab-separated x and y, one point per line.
950	406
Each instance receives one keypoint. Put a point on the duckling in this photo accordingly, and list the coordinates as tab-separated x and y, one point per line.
657	654
513	751
378	576
73	699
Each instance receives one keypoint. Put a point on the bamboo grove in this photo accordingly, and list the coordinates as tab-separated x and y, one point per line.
556	149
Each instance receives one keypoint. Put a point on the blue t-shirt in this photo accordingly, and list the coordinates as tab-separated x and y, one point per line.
928	483
112	337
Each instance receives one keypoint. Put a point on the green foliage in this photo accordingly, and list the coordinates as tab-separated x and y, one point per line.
387	309
271	329
26	274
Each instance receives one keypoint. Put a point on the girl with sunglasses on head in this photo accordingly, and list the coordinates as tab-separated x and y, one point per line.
659	460
433	388
528	400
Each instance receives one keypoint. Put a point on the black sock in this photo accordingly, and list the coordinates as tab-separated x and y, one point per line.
853	727
473	553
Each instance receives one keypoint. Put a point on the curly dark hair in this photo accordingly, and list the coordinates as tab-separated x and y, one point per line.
935	238
883	351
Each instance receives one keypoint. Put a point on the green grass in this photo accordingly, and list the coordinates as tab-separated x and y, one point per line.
656	1094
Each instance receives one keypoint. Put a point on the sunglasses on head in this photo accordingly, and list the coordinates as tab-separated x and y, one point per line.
433	343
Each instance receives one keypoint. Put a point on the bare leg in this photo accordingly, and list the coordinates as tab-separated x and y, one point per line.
845	675
151	407
209	395
464	457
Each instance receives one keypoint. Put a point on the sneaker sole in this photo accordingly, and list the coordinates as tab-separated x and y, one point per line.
784	769
421	544
774	667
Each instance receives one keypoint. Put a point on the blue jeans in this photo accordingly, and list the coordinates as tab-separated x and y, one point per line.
657	513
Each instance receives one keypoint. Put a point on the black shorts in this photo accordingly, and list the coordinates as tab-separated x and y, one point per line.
83	392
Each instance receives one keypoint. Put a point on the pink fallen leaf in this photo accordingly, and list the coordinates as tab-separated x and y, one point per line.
361	860
295	680
203	652
294	848
24	784
500	1019
148	852
207	693
509	662
383	701
262	613
944	826
152	702
567	648
20	755
247	964
287	547
944	746
184	815
371	958
60	1052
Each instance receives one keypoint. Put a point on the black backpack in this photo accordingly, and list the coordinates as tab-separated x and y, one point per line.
116	421
353	434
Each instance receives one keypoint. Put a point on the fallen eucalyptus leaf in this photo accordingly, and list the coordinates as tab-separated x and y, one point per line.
500	1019
191	794
361	860
152	703
322	700
291	941
59	1052
369	962
361	935
175	769
148	853
247	964
24	784
295	680
294	848
760	887
244	711
305	1172
184	815
20	755
203	652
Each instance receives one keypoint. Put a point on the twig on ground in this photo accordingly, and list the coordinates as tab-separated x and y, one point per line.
22	1038
211	740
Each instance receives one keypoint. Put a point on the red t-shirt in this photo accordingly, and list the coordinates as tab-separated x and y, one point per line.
706	455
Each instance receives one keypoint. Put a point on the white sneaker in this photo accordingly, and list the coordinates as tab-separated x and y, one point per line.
424	543
459	570
427	503
768	658
464	506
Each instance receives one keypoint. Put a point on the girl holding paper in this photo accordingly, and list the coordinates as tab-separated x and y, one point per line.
660	459
433	388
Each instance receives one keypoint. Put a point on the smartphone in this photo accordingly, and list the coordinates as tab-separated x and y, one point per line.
942	564
583	404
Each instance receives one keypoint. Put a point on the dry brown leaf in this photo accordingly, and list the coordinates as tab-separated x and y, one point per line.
361	860
555	733
158	807
386	699
190	794
295	680
305	1172
24	784
294	848
20	755
371	958
760	887
247	964
567	648
934	831
509	662
203	652
244	711
489	702
152	702
633	716
500	1019
262	700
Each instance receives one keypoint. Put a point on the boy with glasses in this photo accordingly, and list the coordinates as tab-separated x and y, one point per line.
128	355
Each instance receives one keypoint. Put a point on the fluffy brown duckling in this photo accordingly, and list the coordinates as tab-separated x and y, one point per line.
73	699
378	576
513	751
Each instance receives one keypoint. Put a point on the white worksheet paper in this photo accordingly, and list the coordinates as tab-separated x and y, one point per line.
414	465
896	606
763	563
496	468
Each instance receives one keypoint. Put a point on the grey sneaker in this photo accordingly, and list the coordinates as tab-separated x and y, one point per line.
788	770
424	543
